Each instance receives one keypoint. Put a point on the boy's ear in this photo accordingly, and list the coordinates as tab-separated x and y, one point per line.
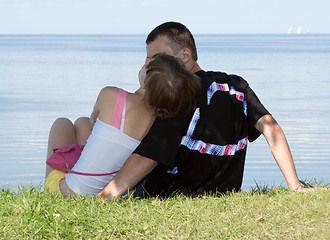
186	55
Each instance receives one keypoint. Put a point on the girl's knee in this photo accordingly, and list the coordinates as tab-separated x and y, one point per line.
82	121
61	134
82	130
62	121
61	125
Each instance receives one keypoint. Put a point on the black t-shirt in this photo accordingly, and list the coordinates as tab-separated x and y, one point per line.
204	150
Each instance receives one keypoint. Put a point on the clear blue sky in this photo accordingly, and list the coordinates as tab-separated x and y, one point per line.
141	16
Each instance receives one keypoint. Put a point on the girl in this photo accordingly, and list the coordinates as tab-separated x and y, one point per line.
119	121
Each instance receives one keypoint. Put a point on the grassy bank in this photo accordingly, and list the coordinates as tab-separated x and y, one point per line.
263	214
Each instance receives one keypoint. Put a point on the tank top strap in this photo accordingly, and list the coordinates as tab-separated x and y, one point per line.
123	115
118	115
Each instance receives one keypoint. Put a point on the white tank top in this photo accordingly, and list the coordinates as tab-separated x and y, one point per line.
106	151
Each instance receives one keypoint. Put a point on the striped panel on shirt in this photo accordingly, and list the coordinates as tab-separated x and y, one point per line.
209	148
214	87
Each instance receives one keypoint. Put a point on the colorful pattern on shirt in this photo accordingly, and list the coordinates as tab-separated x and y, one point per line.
213	149
214	87
209	148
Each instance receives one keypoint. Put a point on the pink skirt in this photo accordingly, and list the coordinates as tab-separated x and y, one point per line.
65	157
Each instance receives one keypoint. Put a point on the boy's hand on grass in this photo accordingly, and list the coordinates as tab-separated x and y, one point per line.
305	190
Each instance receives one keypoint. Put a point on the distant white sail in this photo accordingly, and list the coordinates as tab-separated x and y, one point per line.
299	30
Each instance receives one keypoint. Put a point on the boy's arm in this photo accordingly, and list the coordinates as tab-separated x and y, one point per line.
132	172
280	149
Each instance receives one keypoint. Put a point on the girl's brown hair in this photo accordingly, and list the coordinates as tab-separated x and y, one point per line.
169	86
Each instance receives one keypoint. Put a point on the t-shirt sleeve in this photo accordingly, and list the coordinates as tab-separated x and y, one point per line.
255	110
162	141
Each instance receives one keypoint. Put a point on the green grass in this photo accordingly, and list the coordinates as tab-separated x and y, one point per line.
263	213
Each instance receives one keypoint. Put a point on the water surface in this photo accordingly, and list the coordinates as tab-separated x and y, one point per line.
48	76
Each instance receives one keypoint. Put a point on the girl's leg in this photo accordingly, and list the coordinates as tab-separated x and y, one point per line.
65	190
82	130
61	134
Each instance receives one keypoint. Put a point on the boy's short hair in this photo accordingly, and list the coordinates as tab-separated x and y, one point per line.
169	86
179	37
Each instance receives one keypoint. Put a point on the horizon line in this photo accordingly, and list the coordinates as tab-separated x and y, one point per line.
283	33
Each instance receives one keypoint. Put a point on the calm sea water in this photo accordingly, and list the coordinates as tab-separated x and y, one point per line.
48	76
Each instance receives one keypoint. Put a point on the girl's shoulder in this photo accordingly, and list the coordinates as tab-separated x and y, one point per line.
108	94
113	91
109	90
106	98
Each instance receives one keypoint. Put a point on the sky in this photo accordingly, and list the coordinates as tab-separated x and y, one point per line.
141	16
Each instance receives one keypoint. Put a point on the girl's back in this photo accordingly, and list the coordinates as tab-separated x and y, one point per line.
138	115
107	147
